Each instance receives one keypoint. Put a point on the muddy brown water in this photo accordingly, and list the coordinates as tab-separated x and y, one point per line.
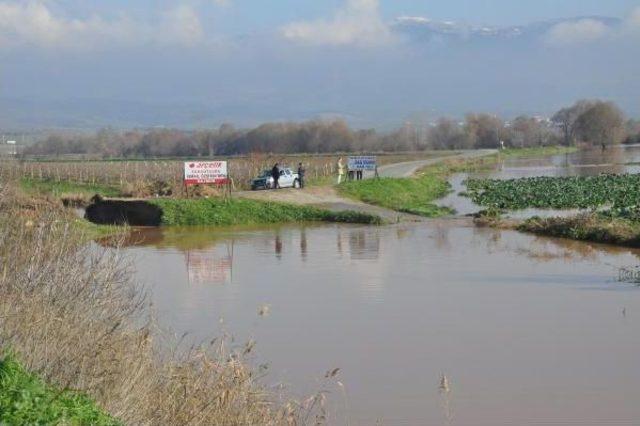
527	330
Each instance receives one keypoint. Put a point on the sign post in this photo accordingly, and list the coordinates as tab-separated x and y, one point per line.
207	173
363	163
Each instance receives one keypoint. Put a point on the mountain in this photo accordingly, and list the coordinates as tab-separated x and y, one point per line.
421	29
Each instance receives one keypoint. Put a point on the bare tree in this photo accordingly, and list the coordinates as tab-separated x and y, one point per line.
566	118
601	124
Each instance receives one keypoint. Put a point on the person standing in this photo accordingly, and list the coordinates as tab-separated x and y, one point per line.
275	174
301	172
340	170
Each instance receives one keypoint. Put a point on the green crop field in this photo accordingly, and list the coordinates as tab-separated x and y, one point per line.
622	192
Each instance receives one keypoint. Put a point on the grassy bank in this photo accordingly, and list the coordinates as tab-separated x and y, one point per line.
25	399
587	227
219	212
409	195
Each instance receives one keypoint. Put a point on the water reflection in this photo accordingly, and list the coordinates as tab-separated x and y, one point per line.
395	307
364	245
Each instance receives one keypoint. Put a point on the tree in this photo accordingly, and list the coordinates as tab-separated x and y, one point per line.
566	118
448	134
601	124
529	131
632	132
484	130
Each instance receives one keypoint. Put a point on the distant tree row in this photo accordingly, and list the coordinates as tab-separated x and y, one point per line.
595	123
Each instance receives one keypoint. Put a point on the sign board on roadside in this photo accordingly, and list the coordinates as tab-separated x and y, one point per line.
205	173
362	163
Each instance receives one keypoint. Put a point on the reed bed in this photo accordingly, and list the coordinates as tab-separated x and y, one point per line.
71	313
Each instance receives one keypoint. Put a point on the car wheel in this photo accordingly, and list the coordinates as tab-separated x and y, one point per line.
296	183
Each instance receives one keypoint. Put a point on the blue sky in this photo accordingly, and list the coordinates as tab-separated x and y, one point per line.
248	61
238	16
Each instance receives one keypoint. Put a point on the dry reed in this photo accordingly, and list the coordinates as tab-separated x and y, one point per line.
73	315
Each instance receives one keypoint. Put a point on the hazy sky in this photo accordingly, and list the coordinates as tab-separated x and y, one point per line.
375	62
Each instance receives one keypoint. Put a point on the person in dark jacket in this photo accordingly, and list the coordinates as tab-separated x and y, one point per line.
301	172
275	174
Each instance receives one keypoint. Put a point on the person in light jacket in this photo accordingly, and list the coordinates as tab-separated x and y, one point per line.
341	170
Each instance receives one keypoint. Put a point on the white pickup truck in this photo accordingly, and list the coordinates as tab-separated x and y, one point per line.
288	179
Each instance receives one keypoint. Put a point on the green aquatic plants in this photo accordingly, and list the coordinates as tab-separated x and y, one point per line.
621	192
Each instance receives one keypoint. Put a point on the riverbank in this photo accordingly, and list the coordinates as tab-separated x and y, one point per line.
215	211
233	212
586	227
73	314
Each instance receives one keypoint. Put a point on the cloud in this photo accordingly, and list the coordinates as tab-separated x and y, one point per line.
182	26
357	23
576	32
632	23
34	24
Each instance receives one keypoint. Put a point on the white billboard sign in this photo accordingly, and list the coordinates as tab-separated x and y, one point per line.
362	163
205	173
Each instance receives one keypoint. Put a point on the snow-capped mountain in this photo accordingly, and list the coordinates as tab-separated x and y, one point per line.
418	28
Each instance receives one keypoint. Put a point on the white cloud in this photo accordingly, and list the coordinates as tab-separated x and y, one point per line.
33	23
182	26
633	21
357	23
578	32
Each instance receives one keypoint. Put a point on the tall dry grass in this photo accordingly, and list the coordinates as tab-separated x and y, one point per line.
73	315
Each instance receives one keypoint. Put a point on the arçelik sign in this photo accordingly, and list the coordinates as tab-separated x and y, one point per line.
205	173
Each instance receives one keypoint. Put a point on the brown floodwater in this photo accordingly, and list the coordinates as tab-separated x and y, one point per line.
527	330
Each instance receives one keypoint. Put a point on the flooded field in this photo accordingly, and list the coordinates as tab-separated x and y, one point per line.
619	159
526	330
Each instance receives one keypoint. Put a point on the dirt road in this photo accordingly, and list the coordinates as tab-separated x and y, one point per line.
409	168
328	198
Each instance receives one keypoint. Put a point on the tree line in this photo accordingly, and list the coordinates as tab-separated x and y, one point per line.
591	122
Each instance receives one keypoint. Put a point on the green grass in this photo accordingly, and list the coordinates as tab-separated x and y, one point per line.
25	399
58	189
219	212
539	151
409	195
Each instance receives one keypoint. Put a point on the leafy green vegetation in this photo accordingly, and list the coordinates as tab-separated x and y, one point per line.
219	212
409	195
25	399
59	188
620	191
